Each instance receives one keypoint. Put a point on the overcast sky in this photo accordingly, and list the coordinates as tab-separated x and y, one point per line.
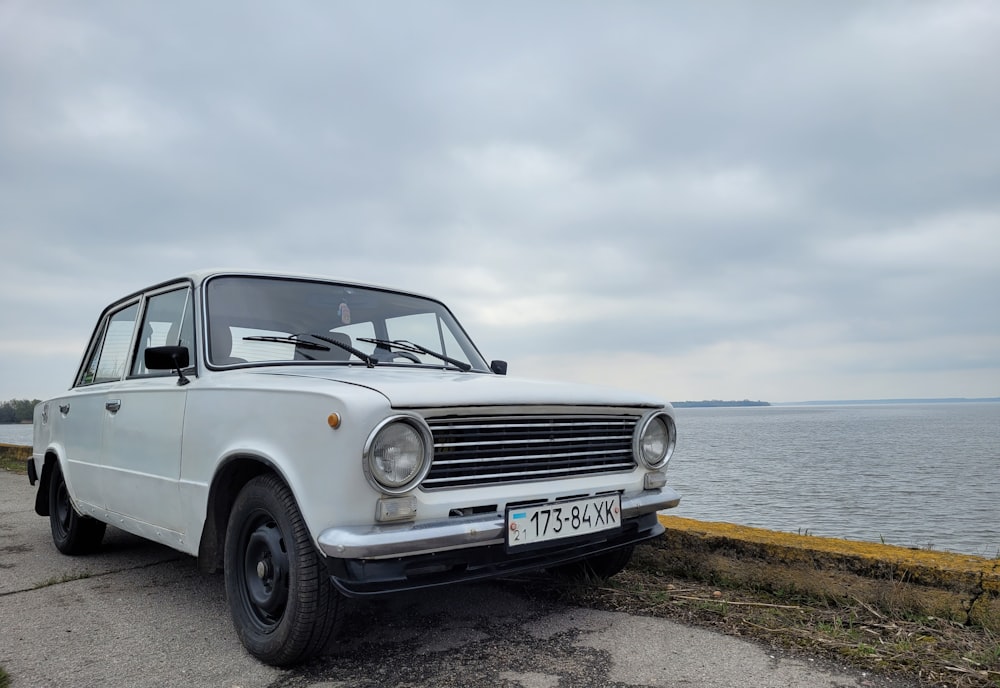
765	200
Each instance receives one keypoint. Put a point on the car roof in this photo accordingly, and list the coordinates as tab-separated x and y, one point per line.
199	277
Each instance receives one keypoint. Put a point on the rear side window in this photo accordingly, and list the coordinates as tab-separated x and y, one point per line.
109	358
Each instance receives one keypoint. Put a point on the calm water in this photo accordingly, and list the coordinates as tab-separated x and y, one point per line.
915	475
15	434
909	474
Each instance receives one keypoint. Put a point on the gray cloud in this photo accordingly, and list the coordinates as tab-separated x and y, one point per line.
787	201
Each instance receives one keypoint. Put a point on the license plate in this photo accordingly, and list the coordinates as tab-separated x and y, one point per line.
558	520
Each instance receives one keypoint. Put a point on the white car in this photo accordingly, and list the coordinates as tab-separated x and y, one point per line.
316	439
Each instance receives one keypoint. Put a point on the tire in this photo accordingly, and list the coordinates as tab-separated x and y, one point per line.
71	532
598	567
283	605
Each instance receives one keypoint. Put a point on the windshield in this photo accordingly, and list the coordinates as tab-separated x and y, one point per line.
282	320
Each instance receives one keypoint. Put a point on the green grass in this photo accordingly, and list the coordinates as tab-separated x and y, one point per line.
4	678
14	458
13	465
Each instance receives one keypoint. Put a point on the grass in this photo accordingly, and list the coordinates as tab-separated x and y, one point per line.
4	678
65	578
884	639
14	465
14	459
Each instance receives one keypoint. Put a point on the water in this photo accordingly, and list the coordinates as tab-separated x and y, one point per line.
15	434
916	475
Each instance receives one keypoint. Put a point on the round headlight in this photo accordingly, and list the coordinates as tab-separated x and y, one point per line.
656	440
397	455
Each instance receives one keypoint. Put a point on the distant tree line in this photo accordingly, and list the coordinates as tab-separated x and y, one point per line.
17	410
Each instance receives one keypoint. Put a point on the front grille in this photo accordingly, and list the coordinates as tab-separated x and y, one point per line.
489	450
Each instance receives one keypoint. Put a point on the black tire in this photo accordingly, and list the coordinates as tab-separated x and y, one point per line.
598	567
283	605
71	532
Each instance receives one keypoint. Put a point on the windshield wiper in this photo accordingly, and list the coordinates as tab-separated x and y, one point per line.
287	340
405	345
306	344
370	361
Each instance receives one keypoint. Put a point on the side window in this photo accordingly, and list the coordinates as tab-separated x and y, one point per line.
109	358
169	320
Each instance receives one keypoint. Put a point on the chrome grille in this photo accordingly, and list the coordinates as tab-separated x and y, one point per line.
487	450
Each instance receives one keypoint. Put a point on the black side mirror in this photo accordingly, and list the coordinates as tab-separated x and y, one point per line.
499	367
168	358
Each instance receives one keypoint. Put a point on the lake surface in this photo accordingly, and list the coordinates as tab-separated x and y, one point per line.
915	475
15	434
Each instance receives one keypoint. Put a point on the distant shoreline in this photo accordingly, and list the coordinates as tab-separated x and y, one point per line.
720	403
855	402
712	403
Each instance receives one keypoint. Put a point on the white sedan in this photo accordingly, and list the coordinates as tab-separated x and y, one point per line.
316	439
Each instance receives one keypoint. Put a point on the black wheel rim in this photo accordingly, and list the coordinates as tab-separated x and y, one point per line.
264	574
63	509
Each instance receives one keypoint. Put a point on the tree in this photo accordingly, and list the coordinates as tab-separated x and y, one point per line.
18	410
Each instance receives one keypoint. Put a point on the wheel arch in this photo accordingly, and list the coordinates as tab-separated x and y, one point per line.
230	477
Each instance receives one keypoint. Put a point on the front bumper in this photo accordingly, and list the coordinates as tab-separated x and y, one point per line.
379	559
380	541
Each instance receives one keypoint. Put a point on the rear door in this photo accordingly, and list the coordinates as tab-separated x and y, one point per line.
80	416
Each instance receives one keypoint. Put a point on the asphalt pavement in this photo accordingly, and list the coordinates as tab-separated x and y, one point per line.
139	614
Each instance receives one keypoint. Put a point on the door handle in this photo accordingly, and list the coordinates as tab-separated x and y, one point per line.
113	405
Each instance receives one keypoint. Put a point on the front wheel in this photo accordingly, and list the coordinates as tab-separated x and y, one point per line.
282	602
71	532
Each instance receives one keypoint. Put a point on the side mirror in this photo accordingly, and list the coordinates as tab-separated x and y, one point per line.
167	358
498	367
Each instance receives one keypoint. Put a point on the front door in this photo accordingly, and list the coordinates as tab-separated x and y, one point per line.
145	421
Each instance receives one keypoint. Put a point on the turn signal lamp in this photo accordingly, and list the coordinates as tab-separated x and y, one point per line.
655	480
396	509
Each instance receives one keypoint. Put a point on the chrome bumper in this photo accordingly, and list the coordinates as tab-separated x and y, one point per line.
382	541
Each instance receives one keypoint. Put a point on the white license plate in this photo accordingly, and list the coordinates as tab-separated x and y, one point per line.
558	520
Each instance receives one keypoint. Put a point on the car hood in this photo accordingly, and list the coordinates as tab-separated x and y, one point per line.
422	388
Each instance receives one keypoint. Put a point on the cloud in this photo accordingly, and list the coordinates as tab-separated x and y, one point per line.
786	202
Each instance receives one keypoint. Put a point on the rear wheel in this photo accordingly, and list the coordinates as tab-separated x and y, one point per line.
71	532
598	567
280	597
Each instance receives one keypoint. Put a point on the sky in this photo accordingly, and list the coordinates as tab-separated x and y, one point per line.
772	200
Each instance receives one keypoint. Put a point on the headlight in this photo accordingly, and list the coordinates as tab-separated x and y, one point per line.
398	454
656	439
